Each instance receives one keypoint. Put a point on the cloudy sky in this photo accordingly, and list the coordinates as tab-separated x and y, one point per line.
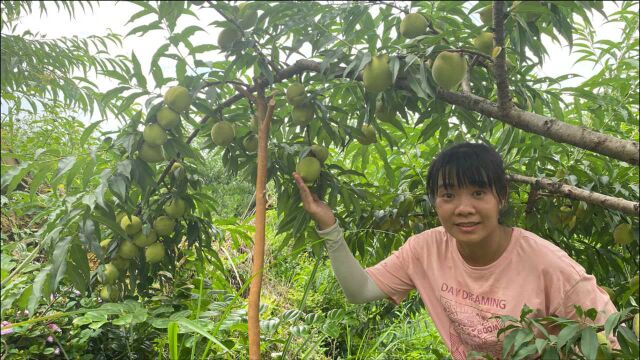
111	16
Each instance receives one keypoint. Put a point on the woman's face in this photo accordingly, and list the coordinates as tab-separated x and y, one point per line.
470	214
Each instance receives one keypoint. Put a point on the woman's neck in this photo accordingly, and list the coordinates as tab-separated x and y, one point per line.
486	252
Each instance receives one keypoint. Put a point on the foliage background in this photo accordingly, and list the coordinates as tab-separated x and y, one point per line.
71	179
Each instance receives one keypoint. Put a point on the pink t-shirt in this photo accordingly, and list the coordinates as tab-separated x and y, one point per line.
461	299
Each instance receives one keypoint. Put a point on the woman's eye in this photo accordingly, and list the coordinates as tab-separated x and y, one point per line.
478	193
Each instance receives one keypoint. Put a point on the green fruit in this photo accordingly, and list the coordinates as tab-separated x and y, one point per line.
142	240
486	15
167	118
248	16
484	43
154	135
449	69
175	208
413	25
250	143
296	94
222	133
127	250
227	37
164	225
131	225
634	282
368	135
177	98
151	154
566	213
383	113
119	216
154	253
603	343
110	273
610	292
177	170
109	293
308	169
320	152
636	325
120	263
377	75
303	115
623	234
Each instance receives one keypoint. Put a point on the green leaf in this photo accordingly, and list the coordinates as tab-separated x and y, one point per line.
567	334
589	343
137	71
195	327
40	288
78	271
172	337
58	262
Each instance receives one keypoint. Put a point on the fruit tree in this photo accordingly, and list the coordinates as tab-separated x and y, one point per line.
357	97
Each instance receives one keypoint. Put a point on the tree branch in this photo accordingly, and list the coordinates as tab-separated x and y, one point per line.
575	193
504	99
624	150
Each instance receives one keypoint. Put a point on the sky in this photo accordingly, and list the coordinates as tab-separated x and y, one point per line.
111	16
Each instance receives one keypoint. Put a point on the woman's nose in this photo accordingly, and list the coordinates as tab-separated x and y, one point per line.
464	208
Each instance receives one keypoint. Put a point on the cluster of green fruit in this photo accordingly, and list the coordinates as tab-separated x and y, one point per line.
303	111
623	234
247	17
129	249
310	166
156	134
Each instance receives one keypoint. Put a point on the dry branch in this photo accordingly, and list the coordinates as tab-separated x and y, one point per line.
575	193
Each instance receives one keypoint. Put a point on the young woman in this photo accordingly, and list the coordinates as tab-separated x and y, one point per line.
471	268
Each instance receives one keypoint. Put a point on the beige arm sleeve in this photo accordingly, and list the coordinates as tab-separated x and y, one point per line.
357	285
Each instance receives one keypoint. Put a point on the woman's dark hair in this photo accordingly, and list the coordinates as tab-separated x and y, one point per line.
467	164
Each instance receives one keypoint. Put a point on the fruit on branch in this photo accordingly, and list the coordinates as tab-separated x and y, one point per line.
636	325
296	94
377	75
167	118
302	115
120	263
141	240
603	342
383	113
413	25
222	133
227	37
623	234
484	42
175	208
109	293
250	143
131	224
151	154
308	169
154	135
164	225
119	216
127	250
247	16
486	15
320	152
177	98
449	69
368	135
110	274
154	253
